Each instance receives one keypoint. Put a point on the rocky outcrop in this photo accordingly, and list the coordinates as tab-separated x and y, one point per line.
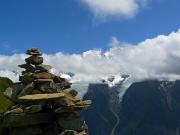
44	104
103	120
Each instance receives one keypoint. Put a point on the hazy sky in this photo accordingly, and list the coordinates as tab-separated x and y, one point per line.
75	26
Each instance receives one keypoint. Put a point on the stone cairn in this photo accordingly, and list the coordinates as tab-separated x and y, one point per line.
44	104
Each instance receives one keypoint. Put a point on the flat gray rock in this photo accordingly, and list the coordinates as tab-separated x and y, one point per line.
12	92
28	67
27	89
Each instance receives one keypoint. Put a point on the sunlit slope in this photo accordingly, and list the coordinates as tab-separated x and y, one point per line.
4	102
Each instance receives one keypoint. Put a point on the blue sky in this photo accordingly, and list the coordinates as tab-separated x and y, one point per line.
71	27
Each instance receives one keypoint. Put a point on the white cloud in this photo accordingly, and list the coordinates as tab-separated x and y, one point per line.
153	58
103	9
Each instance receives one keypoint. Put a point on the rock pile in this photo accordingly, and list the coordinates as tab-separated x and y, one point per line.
44	104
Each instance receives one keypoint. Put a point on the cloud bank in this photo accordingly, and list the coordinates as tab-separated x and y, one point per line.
157	58
103	9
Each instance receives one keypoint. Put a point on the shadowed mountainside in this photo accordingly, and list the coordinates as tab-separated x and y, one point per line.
147	108
99	117
150	108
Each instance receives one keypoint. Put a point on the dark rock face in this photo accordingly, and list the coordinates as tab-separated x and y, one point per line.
99	118
147	108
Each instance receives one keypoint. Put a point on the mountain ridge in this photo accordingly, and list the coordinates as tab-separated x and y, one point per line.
148	107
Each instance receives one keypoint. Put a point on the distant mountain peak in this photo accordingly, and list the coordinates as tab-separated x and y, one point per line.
115	80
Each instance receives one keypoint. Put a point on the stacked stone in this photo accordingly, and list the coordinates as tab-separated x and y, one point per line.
39	75
44	104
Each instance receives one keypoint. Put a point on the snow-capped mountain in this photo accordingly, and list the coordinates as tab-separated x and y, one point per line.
81	82
115	80
120	81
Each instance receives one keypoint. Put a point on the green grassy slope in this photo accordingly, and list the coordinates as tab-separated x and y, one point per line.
4	102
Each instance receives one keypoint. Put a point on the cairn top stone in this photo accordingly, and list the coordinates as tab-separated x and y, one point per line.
33	51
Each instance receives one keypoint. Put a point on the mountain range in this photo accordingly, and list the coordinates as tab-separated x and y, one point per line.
148	107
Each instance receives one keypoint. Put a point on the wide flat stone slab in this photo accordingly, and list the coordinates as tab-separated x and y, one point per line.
49	96
28	67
